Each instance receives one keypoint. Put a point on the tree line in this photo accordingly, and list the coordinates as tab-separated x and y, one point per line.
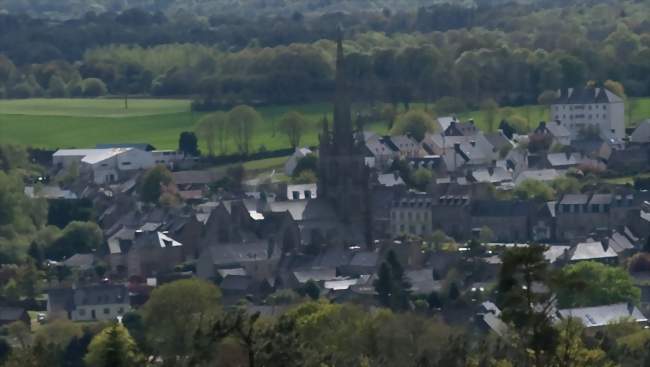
509	53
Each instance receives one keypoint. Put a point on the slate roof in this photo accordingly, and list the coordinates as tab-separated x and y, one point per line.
601	199
10	314
498	140
239	253
315	274
557	129
619	243
642	133
101	294
195	177
555	252
236	283
587	95
603	315
564	159
591	250
365	258
573	199
82	261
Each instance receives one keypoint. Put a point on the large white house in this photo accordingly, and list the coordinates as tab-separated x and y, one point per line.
107	164
590	109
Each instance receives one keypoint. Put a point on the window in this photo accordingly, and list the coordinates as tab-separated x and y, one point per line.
295	195
412	229
424	229
417	216
606	208
120	310
595	208
82	312
409	215
107	311
401	228
401	215
126	163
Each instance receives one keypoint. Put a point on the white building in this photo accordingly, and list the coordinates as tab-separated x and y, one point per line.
597	109
107	164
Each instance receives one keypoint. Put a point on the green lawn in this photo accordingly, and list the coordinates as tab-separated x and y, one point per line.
100	107
82	123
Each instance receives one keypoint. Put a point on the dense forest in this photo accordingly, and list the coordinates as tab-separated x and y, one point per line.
511	53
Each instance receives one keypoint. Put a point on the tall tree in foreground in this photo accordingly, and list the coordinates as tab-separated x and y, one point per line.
293	124
242	120
113	347
391	285
528	310
174	314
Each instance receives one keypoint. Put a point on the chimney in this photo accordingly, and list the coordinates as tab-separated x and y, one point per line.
473	143
630	308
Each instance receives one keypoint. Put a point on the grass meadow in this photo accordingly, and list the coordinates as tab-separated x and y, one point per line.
83	123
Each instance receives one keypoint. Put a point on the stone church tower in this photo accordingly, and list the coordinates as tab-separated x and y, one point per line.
343	177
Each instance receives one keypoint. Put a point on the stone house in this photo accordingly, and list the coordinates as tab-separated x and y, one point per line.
579	214
101	302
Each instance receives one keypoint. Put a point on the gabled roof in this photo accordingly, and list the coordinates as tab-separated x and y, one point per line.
587	95
91	156
603	315
239	253
564	159
557	129
642	133
574	199
82	261
591	250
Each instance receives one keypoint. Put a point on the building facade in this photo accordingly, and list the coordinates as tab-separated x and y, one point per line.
590	110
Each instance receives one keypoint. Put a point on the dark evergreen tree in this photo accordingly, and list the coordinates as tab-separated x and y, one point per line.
311	290
188	143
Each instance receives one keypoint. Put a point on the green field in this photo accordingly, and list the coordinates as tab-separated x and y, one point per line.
82	123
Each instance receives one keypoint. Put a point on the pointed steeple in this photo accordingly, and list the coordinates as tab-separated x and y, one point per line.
342	141
324	137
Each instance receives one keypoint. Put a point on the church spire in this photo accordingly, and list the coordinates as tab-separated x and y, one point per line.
342	140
